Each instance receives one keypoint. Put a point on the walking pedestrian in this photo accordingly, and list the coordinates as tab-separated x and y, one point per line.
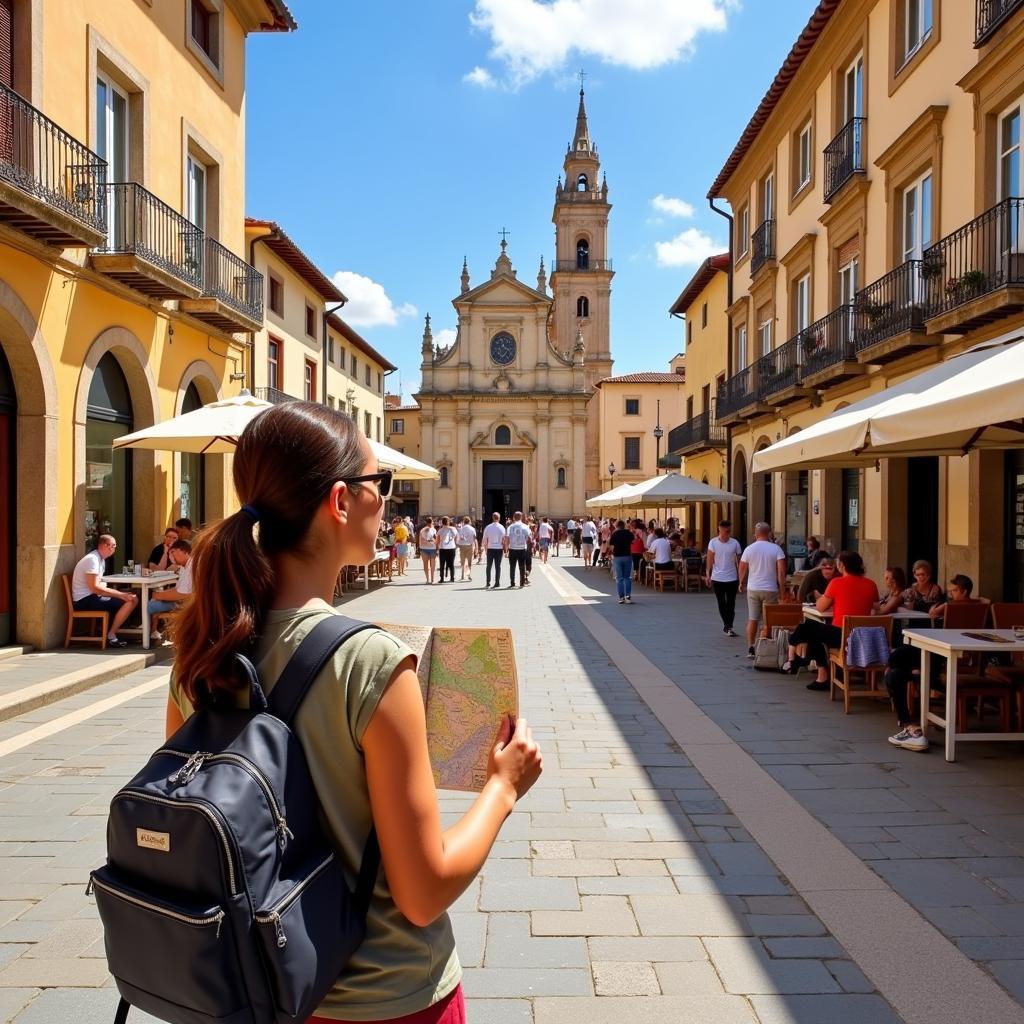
588	536
544	537
763	575
494	546
447	538
308	477
427	541
722	573
467	548
517	540
621	544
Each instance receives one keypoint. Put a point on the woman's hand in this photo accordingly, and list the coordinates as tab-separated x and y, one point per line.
517	762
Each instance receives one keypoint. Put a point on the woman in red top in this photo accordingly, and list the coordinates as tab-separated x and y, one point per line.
849	593
636	549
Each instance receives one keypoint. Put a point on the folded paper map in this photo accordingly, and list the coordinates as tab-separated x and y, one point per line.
468	678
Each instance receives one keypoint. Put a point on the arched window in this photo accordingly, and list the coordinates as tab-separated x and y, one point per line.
582	185
560	477
582	254
502	435
108	485
192	489
443	470
583	306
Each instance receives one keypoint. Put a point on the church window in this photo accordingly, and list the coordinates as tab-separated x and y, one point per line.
502	435
583	306
582	185
560	477
443	470
582	254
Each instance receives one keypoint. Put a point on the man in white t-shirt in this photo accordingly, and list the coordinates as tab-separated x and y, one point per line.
517	541
545	535
494	546
588	535
722	573
89	595
466	537
763	575
574	534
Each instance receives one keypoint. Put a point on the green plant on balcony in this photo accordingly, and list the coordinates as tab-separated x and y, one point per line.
966	286
933	265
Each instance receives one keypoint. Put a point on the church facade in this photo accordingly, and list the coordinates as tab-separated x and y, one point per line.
506	410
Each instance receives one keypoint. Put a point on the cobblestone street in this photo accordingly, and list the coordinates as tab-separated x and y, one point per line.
707	843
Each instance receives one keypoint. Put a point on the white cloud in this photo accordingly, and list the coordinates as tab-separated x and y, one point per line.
368	304
689	248
481	77
534	37
672	207
445	338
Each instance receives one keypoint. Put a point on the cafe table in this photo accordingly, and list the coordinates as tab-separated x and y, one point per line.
950	644
145	585
380	556
900	615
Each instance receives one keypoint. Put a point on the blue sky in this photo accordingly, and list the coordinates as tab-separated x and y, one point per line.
392	139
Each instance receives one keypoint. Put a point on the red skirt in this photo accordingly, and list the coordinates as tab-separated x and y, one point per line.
450	1010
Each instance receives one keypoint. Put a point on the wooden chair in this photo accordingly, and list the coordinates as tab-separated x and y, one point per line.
1004	615
789	616
691	571
665	576
873	684
647	568
91	617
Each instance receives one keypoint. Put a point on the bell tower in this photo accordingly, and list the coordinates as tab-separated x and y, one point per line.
581	278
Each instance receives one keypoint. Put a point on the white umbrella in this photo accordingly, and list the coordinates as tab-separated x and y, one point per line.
212	430
610	499
672	489
974	400
405	467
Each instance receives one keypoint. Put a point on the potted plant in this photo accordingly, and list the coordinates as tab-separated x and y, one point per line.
932	265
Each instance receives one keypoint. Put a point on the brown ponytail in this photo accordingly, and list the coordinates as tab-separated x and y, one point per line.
286	462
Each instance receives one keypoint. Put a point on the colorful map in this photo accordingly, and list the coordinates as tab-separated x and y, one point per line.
468	678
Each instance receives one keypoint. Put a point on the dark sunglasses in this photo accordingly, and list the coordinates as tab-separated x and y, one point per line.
385	481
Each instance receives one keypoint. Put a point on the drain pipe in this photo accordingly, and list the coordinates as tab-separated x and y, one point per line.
728	340
323	351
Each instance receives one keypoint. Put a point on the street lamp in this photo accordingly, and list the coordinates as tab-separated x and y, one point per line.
611	473
658	435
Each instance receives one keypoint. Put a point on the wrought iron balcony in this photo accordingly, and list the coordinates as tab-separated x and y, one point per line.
889	313
976	274
990	15
150	246
273	395
232	297
844	156
696	434
50	184
762	244
737	397
778	373
580	265
827	351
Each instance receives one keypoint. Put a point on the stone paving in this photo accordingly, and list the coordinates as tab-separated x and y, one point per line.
623	887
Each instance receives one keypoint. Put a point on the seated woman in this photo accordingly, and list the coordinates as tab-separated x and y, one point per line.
850	593
925	592
895	583
817	580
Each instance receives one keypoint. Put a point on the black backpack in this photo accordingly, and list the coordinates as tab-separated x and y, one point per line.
222	898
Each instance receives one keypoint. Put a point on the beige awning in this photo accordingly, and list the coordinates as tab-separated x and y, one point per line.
974	400
610	499
670	491
405	466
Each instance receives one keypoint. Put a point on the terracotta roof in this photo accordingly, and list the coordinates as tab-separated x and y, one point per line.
360	342
281	18
801	48
403	408
282	246
711	266
643	378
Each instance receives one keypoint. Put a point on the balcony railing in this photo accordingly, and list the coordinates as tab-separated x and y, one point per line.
844	156
778	370
273	395
42	160
737	392
827	342
762	245
981	257
892	305
233	281
990	15
698	431
580	264
141	224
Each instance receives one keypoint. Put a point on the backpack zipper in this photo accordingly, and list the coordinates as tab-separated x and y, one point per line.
274	915
213	817
194	763
203	922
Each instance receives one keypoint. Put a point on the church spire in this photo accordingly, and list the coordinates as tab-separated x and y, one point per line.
427	348
542	277
465	275
581	140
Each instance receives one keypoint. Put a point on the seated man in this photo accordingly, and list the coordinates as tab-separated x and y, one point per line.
164	601
184	528
960	589
89	595
160	557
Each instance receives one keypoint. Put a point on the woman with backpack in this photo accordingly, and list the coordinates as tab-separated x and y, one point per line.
312	496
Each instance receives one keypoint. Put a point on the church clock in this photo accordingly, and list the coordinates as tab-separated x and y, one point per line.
503	348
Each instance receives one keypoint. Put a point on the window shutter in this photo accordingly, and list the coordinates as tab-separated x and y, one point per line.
7	43
848	251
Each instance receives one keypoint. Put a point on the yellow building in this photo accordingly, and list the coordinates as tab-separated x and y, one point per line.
125	296
877	214
699	438
635	412
356	376
402	425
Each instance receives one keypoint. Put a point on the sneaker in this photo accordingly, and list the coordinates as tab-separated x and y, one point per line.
628	600
622	600
729	631
113	641
156	637
750	652
910	740
817	687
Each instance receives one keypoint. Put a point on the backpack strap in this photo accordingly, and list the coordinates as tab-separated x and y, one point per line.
319	645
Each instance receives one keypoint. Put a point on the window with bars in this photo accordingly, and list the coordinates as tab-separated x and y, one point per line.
631	453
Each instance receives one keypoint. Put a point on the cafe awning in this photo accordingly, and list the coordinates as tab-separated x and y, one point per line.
974	400
672	490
